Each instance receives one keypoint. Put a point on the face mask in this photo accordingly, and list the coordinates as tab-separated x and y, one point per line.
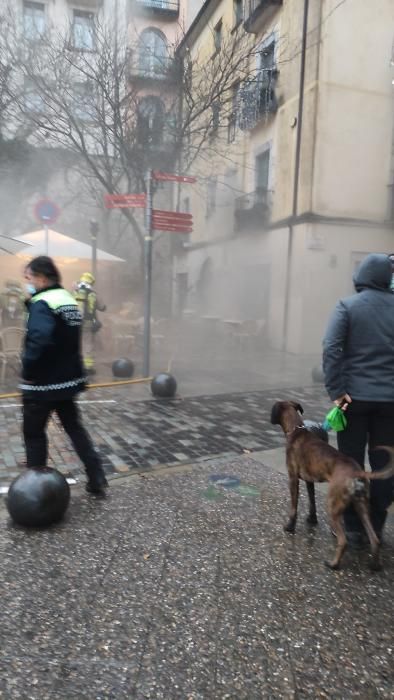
30	288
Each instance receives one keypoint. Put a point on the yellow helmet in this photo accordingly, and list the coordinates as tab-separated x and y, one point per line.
88	278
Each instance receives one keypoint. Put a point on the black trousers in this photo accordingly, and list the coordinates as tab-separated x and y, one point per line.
35	419
369	424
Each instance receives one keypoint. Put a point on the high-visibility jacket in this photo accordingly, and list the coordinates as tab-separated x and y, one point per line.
52	366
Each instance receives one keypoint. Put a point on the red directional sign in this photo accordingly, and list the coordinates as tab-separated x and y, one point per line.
172	215
124	201
177	222
173	229
171	177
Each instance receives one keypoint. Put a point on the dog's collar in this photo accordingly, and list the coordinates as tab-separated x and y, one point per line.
297	427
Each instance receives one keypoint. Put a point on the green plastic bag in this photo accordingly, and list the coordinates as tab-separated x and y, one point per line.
335	420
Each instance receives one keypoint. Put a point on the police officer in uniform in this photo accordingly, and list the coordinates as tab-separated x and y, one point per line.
52	370
89	304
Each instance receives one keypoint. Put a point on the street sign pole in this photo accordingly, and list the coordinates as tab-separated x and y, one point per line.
94	257
94	229
46	212
175	222
148	244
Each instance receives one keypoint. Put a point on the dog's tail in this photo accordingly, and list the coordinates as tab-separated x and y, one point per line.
385	473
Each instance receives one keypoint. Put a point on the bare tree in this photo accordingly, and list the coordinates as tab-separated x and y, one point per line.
94	103
10	91
82	102
209	95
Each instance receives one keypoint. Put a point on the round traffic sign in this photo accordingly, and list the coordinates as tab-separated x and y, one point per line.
46	211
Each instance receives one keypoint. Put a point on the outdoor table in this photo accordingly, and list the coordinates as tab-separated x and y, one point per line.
232	322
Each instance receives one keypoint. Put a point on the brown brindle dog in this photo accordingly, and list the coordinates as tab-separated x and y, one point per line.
311	459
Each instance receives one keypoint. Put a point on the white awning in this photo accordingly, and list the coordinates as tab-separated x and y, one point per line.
11	245
59	246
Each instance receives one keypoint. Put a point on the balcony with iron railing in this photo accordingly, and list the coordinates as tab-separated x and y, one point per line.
252	211
165	9
145	66
157	135
257	12
92	5
257	99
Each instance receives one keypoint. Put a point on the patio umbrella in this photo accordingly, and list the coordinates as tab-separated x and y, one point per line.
11	245
60	246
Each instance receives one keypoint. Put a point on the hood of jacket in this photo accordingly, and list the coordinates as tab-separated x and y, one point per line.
374	273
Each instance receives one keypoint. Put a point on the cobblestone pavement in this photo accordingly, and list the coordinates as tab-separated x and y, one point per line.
177	588
133	435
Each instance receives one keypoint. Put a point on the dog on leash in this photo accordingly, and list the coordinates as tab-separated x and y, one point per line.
310	459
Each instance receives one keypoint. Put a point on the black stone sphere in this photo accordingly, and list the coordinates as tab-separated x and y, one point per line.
317	375
163	385
123	368
317	429
38	497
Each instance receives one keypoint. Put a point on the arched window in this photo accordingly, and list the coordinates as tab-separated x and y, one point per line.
152	53
150	120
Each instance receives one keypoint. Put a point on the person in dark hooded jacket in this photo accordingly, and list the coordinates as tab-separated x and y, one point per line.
358	365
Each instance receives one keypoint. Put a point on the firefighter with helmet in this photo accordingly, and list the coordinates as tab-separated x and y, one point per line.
89	304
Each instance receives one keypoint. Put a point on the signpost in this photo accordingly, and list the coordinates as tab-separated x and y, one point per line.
125	201
176	222
171	228
171	177
46	212
94	229
155	220
148	245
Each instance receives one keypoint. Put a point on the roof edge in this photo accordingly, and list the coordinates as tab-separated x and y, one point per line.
206	12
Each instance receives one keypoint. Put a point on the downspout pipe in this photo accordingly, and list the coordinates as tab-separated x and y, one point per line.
296	180
300	109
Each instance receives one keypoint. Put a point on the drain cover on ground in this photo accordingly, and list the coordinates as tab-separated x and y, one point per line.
228	482
212	494
246	490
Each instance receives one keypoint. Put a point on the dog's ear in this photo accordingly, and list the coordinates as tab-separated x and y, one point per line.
297	407
276	412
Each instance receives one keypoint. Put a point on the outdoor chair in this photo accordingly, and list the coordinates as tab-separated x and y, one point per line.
159	334
10	348
250	335
123	336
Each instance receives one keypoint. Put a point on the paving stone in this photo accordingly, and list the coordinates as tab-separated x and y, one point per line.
145	433
162	594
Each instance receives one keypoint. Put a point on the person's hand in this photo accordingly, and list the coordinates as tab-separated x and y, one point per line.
343	401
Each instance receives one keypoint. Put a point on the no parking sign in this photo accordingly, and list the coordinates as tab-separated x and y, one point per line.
46	211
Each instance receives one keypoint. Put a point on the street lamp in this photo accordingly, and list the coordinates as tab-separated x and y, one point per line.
94	229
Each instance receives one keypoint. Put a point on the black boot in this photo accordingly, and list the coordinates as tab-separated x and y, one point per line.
97	484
